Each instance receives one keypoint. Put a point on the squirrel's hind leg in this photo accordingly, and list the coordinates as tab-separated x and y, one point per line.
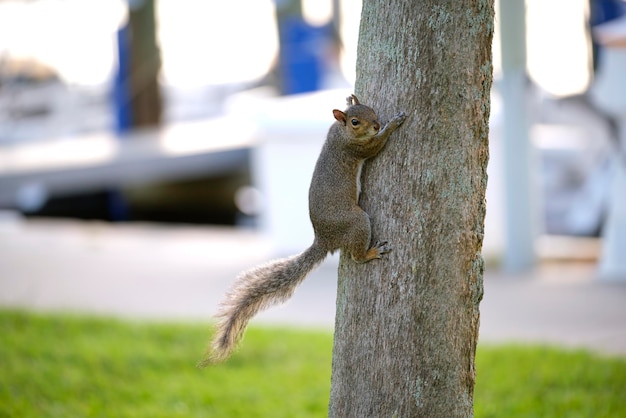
358	240
374	252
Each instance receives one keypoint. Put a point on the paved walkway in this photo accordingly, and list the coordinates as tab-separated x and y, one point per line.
165	272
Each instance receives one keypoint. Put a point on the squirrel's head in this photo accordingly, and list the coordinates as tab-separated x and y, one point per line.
359	120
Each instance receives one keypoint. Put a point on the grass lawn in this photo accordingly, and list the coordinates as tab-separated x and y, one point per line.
71	366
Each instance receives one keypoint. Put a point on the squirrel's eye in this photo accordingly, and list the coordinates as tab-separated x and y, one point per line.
355	122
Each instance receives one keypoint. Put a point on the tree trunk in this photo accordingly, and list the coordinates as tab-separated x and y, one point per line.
145	65
407	326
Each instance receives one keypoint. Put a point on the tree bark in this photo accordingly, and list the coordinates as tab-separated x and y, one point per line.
407	326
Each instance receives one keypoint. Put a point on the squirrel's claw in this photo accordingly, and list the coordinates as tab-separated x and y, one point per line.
399	118
383	247
396	121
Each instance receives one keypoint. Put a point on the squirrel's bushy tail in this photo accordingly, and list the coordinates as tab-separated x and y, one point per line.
255	290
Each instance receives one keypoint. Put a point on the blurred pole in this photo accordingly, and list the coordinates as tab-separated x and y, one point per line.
303	49
286	11
337	15
288	8
609	94
519	253
137	98
145	64
613	260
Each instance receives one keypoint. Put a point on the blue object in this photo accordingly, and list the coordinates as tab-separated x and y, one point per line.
602	11
606	10
121	83
302	51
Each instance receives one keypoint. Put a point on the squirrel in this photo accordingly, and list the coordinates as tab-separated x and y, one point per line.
338	223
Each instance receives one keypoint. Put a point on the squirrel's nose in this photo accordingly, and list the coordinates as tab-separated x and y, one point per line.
376	126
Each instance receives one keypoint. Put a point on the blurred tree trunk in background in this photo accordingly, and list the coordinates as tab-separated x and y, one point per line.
407	326
145	64
288	8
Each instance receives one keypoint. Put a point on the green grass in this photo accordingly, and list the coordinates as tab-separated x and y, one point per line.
66	366
532	381
69	366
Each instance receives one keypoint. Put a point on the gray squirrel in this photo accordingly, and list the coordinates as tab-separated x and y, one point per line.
338	222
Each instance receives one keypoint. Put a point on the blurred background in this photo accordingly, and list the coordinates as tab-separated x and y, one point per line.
188	130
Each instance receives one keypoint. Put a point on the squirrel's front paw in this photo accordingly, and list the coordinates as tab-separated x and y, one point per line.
397	120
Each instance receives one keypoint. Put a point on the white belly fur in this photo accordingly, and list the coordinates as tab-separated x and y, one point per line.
359	168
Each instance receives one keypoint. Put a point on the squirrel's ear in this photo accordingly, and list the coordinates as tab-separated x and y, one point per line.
340	116
352	100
